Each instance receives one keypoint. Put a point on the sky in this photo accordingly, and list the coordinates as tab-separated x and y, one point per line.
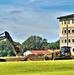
23	18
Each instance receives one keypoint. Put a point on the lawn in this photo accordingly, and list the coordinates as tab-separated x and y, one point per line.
59	67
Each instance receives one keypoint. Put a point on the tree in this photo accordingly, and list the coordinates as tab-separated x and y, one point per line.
34	42
1	53
53	45
58	44
10	53
6	49
17	43
4	53
44	43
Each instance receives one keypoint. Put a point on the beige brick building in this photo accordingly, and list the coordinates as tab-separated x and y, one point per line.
67	31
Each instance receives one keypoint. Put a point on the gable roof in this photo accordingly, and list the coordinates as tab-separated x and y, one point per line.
41	51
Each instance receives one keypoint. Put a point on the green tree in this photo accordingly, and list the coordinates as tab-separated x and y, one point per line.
1	53
6	49
53	45
4	53
44	43
34	42
58	44
10	53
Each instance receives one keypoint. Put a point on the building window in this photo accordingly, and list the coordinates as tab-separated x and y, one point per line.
65	41
72	40
72	21
64	21
72	31
65	31
68	31
68	21
69	40
62	41
73	50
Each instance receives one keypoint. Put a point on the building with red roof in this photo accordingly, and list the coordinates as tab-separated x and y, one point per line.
37	52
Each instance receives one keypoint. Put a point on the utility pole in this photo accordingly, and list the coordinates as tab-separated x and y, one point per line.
67	30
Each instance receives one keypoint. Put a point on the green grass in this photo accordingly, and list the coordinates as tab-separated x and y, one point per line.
62	67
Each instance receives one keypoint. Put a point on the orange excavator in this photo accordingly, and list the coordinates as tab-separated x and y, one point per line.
17	50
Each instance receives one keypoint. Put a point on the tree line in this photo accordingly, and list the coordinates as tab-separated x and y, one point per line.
31	43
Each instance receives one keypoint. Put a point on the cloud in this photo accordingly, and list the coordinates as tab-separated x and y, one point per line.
23	18
31	23
16	11
27	23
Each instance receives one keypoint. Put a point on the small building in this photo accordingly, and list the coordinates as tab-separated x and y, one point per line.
37	52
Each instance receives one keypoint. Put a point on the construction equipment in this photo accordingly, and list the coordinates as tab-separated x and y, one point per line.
63	53
17	50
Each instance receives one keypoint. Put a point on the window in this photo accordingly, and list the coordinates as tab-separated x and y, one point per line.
73	50
72	40
64	31
68	21
65	41
72	21
69	40
72	31
64	21
62	41
64	50
68	31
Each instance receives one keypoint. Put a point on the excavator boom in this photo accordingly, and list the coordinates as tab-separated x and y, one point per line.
17	50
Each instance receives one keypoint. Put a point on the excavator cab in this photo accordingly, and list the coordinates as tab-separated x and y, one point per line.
65	51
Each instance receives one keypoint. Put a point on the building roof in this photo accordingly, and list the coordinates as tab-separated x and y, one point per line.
67	16
41	51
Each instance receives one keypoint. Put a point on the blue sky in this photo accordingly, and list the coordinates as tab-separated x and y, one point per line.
23	18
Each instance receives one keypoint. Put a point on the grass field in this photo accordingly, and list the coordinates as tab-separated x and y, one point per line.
63	67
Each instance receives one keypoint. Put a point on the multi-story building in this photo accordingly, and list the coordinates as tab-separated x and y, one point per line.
67	31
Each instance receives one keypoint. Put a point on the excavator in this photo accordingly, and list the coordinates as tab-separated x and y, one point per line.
17	50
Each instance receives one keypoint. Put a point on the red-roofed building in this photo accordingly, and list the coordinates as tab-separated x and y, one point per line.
37	51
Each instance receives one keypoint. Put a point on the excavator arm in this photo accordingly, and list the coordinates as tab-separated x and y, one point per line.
17	50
